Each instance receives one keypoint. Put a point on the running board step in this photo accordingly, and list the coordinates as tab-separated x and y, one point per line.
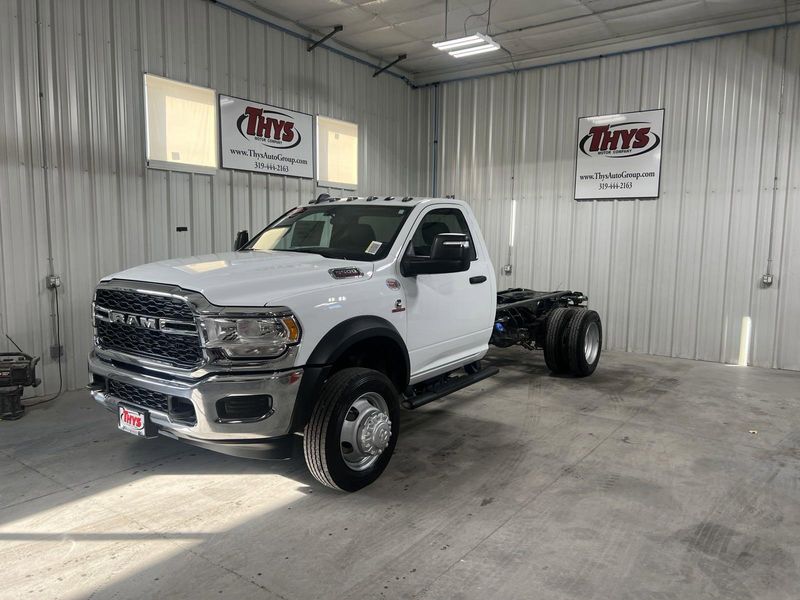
458	383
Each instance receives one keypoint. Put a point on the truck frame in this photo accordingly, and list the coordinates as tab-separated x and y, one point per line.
535	321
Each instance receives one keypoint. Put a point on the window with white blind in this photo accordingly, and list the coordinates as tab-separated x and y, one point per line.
181	125
337	153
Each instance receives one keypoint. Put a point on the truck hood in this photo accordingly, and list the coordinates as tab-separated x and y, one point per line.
256	278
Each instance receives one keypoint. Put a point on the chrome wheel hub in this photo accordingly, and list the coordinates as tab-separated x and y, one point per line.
591	343
366	431
376	429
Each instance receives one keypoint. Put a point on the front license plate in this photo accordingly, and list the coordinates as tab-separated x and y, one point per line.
133	420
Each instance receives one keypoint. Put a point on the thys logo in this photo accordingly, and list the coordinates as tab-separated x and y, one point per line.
619	141
270	127
130	418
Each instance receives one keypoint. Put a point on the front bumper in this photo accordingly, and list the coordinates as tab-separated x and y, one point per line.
269	437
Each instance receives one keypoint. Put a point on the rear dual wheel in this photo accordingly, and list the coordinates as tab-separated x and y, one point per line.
573	341
555	343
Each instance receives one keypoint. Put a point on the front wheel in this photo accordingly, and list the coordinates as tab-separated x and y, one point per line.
353	429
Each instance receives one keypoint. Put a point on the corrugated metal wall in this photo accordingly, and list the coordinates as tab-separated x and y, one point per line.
673	276
106	210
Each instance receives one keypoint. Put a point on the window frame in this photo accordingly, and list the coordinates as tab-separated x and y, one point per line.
441	208
181	167
327	182
382	254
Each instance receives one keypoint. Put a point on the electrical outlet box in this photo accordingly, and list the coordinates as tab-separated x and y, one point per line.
507	269
767	279
53	281
56	351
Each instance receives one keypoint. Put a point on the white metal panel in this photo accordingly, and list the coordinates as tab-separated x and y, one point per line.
25	305
674	276
107	211
786	352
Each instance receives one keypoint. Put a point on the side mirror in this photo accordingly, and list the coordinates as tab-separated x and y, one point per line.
450	253
241	239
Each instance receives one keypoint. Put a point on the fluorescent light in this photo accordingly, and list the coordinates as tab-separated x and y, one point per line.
458	42
467	46
471	51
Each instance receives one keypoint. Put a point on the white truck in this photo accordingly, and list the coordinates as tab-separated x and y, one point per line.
321	327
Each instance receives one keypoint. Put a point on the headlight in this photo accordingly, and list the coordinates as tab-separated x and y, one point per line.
255	336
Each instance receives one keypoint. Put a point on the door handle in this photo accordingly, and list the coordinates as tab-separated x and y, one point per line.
477	279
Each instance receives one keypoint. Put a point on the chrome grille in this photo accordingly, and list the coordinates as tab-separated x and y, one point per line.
172	338
129	301
181	350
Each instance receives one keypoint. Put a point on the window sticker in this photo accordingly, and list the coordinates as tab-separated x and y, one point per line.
373	247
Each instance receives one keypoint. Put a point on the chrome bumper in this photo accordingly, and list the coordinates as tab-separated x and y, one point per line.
257	439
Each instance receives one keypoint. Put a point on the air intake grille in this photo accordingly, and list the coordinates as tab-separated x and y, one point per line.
129	301
138	396
174	340
180	411
181	350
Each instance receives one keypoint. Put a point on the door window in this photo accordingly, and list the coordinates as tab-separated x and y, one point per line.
441	220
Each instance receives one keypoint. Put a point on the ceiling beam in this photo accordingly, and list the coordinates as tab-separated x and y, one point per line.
391	64
322	40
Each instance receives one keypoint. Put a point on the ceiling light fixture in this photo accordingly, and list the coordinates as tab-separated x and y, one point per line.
471	51
467	46
469	40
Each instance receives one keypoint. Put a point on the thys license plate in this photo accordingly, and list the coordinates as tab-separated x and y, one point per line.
135	421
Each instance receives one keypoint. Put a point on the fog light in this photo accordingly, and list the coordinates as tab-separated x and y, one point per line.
238	409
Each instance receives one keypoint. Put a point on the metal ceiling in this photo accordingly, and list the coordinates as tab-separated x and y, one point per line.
534	32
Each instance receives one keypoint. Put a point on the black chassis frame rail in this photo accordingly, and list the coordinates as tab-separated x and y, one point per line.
521	318
521	315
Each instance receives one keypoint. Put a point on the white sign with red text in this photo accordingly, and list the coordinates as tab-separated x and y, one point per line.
264	138
619	156
131	421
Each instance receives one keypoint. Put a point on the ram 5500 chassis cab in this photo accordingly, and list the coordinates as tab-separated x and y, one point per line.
321	326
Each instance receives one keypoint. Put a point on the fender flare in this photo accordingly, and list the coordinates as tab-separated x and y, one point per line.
330	349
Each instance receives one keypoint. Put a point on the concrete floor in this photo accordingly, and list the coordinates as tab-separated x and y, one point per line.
644	482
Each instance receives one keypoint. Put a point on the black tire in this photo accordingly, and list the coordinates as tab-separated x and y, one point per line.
321	441
555	355
584	342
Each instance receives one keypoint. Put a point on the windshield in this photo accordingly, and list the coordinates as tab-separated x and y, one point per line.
351	232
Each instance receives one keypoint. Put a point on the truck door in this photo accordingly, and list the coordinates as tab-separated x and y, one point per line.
449	315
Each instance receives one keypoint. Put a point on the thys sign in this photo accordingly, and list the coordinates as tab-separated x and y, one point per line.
619	156
264	138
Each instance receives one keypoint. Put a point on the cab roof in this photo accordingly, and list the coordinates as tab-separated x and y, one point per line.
392	200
